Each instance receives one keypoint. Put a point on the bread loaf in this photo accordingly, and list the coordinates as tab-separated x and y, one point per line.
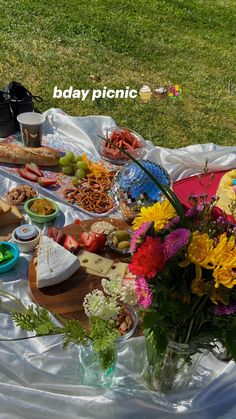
12	217
42	156
4	207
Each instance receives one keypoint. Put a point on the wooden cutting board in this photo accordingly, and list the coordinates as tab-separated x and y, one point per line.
66	298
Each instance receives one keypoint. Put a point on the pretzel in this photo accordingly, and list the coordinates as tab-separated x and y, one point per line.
89	199
91	192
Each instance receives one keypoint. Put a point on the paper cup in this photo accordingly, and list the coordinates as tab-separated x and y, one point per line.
31	126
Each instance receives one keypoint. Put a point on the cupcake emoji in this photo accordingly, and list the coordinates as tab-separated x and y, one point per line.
145	93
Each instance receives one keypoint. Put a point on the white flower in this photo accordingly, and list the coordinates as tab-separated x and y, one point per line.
113	286
110	309
93	303
128	293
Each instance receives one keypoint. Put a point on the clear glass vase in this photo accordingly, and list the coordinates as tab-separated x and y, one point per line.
172	370
97	372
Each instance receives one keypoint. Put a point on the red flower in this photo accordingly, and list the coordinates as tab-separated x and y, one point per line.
149	258
230	218
217	212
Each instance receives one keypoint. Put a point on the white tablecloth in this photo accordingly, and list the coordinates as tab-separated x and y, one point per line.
39	380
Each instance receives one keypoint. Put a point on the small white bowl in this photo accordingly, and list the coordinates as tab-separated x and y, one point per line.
26	246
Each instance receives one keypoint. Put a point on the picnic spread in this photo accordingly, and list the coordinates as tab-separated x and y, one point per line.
66	213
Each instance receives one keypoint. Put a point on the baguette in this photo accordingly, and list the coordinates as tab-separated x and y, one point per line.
42	156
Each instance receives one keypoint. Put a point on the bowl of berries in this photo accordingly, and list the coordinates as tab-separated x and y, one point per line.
119	141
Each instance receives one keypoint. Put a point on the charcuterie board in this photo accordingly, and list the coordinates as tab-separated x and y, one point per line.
66	298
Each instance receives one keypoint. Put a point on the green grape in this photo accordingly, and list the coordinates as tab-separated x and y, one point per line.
64	161
70	156
82	165
80	173
74	180
68	170
78	158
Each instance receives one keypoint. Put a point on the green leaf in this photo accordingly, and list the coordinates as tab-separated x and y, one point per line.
35	319
149	319
74	333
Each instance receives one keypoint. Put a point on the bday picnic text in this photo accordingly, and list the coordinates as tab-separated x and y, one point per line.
94	94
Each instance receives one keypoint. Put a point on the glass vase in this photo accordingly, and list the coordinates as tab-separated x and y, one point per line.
97	371
172	370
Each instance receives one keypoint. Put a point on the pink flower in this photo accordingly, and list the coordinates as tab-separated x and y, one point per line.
149	258
139	236
144	294
175	241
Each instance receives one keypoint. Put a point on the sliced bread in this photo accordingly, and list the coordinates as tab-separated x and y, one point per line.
14	216
4	207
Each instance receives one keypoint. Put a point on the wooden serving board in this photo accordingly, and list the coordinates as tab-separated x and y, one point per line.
66	298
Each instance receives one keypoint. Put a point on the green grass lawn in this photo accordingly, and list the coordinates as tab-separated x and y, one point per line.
129	43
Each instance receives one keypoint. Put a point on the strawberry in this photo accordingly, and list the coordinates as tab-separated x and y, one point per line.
77	221
52	232
60	237
44	181
87	238
27	175
71	244
56	234
98	243
33	168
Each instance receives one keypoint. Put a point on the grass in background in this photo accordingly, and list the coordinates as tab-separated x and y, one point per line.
129	43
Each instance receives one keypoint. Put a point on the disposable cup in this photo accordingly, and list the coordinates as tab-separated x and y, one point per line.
31	127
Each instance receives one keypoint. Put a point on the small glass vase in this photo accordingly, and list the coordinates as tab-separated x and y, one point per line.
172	370
96	373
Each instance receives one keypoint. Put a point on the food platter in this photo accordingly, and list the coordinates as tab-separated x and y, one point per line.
66	298
59	184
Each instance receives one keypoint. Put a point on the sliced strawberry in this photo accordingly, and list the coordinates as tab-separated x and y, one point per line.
44	181
53	233
98	243
71	244
60	237
56	234
87	238
33	168
27	175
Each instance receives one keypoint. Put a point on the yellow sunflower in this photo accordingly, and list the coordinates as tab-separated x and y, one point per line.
159	213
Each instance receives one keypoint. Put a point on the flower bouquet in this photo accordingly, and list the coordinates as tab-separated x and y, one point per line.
184	260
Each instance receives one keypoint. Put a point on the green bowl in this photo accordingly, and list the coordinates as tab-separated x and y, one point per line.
40	219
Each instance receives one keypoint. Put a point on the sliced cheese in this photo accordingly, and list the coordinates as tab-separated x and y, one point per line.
54	263
95	262
118	268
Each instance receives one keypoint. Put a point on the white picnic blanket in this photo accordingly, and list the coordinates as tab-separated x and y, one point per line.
39	380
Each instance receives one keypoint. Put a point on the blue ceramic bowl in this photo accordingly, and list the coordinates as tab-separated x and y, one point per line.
14	249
